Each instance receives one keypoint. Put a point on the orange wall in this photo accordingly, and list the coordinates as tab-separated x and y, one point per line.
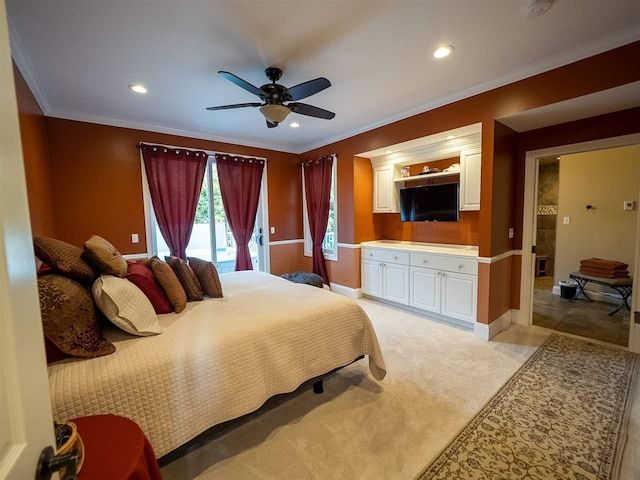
35	150
97	182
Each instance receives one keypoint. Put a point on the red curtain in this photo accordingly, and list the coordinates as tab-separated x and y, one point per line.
240	180
317	185
175	180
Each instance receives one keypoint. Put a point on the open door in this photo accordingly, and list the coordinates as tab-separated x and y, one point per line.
26	424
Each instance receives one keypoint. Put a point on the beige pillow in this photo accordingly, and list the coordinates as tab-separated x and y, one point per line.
207	274
187	278
105	256
125	305
170	284
65	258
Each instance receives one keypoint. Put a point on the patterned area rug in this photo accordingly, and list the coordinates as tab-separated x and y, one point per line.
563	415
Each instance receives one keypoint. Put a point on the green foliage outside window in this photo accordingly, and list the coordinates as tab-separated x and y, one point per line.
202	210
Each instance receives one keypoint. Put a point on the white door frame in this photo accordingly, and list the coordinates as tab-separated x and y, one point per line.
528	230
26	422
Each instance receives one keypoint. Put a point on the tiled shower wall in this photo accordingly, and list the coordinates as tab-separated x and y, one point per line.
548	187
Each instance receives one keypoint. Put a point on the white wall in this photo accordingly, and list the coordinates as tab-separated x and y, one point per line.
603	179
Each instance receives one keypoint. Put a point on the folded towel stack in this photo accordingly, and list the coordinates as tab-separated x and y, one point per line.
597	267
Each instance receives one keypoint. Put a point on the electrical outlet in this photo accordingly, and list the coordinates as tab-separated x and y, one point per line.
566	220
628	205
134	238
272	230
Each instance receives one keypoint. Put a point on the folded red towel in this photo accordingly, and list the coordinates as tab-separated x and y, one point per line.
597	273
607	271
600	263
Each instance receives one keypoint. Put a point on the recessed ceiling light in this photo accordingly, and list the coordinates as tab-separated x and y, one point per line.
450	137
443	51
137	88
388	152
294	124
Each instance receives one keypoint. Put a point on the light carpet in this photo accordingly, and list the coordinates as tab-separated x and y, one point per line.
439	376
562	415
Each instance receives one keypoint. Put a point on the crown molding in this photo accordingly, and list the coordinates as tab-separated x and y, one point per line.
23	63
169	131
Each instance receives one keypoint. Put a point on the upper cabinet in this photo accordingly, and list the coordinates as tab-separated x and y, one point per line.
470	166
385	196
463	143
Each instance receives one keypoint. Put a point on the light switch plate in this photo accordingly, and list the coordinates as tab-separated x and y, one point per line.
566	220
134	238
511	232
272	230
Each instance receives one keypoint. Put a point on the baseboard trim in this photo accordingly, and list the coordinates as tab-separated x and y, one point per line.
346	291
487	332
612	298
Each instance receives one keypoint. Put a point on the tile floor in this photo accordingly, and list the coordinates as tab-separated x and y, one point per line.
580	317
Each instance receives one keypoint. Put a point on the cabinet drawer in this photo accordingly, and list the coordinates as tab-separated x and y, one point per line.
388	256
460	265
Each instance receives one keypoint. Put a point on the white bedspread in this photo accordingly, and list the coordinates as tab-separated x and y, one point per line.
219	359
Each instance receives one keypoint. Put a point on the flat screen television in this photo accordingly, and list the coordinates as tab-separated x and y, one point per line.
430	203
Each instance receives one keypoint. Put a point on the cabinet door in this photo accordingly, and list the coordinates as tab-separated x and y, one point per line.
396	282
371	278
470	167
384	190
425	291
459	292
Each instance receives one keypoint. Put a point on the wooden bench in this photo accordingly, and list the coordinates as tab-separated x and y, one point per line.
624	286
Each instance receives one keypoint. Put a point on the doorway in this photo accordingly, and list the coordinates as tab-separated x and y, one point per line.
561	307
570	250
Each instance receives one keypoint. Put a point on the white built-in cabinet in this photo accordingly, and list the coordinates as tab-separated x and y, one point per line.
423	278
385	196
386	168
385	274
470	167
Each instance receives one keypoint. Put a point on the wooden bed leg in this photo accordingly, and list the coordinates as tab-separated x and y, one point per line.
318	387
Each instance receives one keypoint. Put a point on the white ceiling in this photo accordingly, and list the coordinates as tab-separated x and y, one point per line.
79	56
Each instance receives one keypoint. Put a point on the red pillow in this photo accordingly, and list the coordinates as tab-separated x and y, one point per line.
142	277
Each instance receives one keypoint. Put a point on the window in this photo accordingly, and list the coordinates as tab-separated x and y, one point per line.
211	237
330	242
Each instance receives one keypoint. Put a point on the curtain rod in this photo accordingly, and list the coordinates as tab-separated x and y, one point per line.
208	152
334	155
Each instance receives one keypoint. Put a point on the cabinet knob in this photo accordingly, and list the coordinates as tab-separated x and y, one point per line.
425	261
459	266
395	258
371	254
444	274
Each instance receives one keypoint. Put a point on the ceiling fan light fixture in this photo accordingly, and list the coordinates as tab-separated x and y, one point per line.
274	113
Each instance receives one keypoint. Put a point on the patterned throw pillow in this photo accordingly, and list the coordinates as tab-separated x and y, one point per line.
187	278
105	256
65	258
170	284
125	305
142	277
70	318
207	274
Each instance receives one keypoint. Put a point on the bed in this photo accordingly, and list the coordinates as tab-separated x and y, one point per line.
218	359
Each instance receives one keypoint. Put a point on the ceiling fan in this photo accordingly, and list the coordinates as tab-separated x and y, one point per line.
279	101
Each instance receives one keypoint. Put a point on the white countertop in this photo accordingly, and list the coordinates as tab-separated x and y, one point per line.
442	248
